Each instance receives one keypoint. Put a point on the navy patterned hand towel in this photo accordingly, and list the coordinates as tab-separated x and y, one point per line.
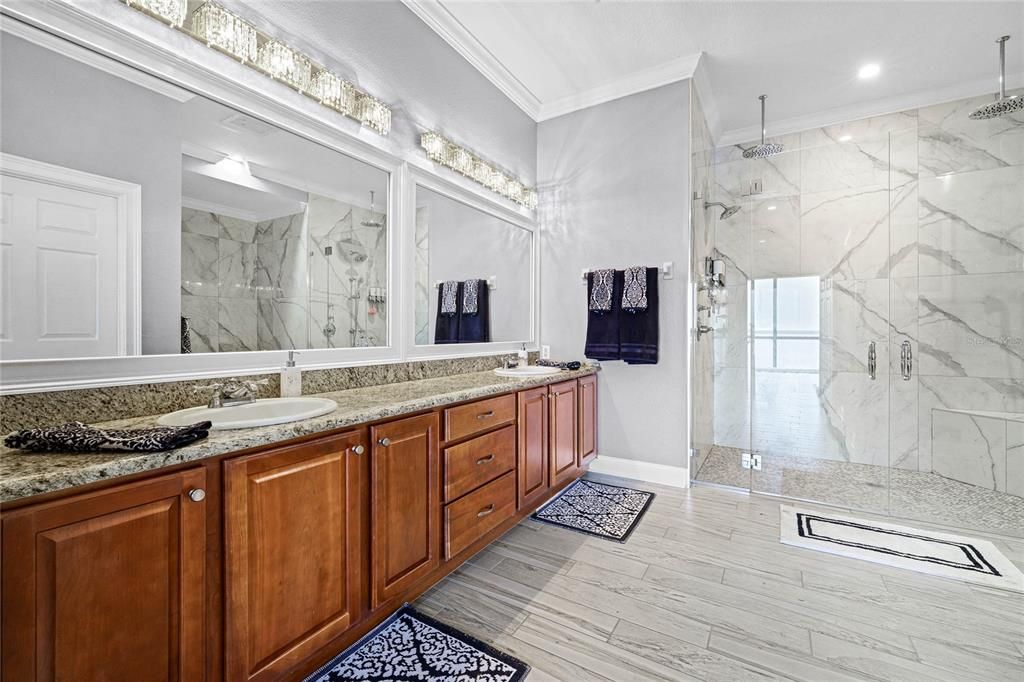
638	322
604	292
475	312
78	437
449	301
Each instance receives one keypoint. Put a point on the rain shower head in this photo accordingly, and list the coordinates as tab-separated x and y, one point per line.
370	222
765	149
727	211
1002	105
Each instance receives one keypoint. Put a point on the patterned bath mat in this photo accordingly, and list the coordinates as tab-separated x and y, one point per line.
412	646
607	511
943	554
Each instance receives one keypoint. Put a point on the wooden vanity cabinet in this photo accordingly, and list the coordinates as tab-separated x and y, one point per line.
405	502
294	552
533	445
107	585
563	432
587	420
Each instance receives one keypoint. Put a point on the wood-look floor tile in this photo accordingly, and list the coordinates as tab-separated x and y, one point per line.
788	664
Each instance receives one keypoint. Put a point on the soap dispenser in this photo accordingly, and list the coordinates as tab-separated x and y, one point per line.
291	378
524	357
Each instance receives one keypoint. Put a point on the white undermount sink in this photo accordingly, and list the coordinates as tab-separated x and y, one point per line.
257	413
527	371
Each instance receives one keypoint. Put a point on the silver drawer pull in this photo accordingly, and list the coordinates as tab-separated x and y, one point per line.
197	494
485	511
359	449
485	415
385	441
485	460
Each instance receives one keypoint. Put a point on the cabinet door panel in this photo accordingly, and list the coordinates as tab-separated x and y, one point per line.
405	504
107	585
293	552
533	445
563	432
587	419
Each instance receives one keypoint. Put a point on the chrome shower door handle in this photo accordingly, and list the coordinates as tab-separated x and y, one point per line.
906	360
872	361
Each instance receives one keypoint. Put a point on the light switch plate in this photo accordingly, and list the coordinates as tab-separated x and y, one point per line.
545	352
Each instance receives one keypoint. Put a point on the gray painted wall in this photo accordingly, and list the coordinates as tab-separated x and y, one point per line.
386	49
614	186
130	134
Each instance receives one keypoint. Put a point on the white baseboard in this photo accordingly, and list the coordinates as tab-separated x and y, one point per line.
677	477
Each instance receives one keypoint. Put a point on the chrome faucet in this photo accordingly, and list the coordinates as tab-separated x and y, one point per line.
232	392
510	362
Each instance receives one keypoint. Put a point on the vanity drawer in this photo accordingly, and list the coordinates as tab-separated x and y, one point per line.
465	420
471	517
481	460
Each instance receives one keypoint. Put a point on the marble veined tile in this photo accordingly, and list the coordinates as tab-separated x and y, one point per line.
972	222
282	324
950	142
903	428
857	410
732	244
199	222
199	264
202	312
855	313
236	229
845	233
732	407
861	130
903	231
731	328
970	449
237	322
961	393
236	268
972	325
847	165
281	268
775	237
1015	458
778	175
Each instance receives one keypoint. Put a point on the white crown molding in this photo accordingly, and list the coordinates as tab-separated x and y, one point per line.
638	81
94	59
861	110
230	211
443	23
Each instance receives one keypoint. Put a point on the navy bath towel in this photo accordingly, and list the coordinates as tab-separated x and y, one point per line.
475	327
446	329
638	330
603	326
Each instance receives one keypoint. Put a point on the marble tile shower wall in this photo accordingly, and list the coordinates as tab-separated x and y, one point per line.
914	222
702	146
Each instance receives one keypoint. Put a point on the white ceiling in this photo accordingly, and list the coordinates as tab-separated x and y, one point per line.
555	56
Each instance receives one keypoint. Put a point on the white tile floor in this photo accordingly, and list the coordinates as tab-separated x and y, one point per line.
703	590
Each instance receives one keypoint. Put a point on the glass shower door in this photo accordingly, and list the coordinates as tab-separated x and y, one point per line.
820	320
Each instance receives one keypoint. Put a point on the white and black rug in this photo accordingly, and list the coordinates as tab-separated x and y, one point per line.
607	511
943	554
410	646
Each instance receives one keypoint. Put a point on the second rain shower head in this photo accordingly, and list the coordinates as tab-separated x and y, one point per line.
765	149
370	222
1002	105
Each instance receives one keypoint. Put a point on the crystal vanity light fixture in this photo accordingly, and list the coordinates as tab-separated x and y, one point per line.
225	31
221	29
285	64
171	11
445	152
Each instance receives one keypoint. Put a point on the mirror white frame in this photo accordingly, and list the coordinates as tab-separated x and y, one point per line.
454	192
111	36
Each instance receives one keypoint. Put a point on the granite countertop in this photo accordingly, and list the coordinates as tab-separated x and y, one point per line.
23	473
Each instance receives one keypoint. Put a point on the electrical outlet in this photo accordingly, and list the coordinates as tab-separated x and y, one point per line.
545	352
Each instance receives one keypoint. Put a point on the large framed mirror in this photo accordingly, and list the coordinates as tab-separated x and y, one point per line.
475	266
142	220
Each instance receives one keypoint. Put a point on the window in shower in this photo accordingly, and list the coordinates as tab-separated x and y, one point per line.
786	324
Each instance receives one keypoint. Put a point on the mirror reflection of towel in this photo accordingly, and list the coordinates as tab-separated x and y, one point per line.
446	328
475	315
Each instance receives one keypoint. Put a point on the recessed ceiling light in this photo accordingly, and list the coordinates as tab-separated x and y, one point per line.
846	138
772	207
869	71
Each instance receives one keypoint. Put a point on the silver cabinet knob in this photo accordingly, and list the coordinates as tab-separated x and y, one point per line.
385	441
197	494
359	449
